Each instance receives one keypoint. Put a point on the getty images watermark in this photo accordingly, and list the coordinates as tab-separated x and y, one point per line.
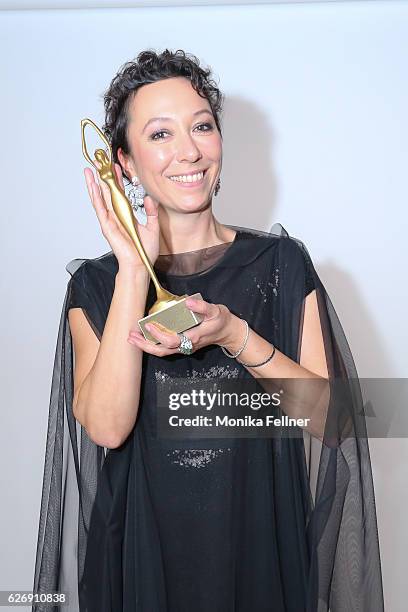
211	401
226	408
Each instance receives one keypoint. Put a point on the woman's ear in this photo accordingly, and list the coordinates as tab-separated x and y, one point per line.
126	163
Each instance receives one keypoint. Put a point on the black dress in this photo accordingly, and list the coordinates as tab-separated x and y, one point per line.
210	525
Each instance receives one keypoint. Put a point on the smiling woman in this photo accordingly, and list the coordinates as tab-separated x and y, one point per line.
135	520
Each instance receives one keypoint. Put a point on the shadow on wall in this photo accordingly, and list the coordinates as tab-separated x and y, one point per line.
249	154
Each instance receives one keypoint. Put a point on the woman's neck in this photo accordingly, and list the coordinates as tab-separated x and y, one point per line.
191	232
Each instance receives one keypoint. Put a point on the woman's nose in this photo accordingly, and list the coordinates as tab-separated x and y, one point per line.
187	149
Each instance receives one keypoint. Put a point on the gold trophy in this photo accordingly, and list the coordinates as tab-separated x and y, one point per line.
169	310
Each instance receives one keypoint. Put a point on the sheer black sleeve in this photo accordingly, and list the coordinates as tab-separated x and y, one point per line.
309	277
91	288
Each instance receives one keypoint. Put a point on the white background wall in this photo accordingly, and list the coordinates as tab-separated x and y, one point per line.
315	135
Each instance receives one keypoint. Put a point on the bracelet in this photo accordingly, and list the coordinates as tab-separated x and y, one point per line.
242	347
256	365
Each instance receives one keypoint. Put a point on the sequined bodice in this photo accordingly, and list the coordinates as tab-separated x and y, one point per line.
187	458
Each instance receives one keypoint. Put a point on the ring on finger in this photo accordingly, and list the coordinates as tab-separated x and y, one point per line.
186	346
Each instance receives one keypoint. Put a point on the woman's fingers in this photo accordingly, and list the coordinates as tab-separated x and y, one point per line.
169	341
95	196
197	305
207	309
91	183
152	214
111	226
167	338
168	344
88	179
99	204
95	191
103	189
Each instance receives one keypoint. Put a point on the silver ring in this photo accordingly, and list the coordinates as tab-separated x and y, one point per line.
186	346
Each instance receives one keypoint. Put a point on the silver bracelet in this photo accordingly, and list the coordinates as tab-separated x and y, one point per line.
256	365
242	347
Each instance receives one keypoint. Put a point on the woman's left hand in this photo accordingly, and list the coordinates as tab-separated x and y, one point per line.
213	329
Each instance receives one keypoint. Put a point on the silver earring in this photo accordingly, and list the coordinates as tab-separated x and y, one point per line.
217	186
136	194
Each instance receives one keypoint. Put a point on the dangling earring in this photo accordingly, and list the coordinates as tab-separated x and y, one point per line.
217	186
136	194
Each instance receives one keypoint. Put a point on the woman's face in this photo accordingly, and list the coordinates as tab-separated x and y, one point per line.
183	141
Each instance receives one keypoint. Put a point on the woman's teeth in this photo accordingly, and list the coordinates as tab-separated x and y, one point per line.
192	178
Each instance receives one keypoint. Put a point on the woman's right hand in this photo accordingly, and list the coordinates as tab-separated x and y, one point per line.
120	242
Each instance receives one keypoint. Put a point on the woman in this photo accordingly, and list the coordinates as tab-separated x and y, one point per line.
132	520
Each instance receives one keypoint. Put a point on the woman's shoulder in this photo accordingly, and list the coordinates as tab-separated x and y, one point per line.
278	249
105	265
92	281
277	236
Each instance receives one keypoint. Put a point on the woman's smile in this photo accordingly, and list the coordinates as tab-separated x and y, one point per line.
188	181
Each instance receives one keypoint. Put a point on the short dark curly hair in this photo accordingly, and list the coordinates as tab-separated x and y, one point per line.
149	67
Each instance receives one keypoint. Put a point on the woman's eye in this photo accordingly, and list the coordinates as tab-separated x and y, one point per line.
157	135
153	136
206	125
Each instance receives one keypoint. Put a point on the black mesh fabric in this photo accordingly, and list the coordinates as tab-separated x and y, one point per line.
156	525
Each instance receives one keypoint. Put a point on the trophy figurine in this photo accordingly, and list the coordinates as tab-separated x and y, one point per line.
169	310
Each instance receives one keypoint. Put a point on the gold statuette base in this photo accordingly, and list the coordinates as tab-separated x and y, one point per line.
177	318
